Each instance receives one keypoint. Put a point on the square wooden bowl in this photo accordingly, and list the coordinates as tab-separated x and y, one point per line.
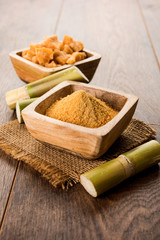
30	72
90	143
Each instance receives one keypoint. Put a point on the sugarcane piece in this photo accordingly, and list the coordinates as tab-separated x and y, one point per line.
14	95
38	88
20	105
41	86
110	174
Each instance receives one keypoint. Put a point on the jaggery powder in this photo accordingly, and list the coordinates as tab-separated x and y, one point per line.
83	109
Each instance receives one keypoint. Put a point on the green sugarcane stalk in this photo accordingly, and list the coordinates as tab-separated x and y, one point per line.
110	174
20	105
39	87
16	94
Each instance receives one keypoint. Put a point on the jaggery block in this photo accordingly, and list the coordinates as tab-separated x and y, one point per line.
67	49
44	55
34	59
52	49
52	64
76	46
75	57
33	47
28	54
61	57
24	52
52	42
67	40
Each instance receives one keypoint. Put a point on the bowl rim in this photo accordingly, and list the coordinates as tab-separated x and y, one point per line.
15	54
100	131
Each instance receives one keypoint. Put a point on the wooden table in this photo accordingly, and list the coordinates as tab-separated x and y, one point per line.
126	34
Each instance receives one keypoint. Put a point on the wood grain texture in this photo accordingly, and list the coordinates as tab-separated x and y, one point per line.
38	211
131	210
151	13
7	165
13	24
30	72
7	171
87	142
115	29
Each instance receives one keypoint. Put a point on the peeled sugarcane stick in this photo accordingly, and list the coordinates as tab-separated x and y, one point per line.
39	87
20	105
110	174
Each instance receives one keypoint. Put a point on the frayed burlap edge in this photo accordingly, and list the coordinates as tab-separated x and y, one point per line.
54	175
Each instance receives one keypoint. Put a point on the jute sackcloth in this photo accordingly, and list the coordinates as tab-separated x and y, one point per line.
60	167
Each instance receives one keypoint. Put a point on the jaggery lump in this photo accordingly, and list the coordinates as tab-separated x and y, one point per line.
53	53
51	42
75	57
44	55
83	109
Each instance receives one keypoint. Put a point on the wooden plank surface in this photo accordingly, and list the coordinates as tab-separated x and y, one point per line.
151	13
38	211
116	31
131	210
18	28
7	172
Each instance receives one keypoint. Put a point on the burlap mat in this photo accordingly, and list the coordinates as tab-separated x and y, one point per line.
62	168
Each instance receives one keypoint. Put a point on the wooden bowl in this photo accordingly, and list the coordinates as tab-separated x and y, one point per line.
30	72
90	143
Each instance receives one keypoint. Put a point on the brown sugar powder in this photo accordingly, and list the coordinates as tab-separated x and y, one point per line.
83	109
